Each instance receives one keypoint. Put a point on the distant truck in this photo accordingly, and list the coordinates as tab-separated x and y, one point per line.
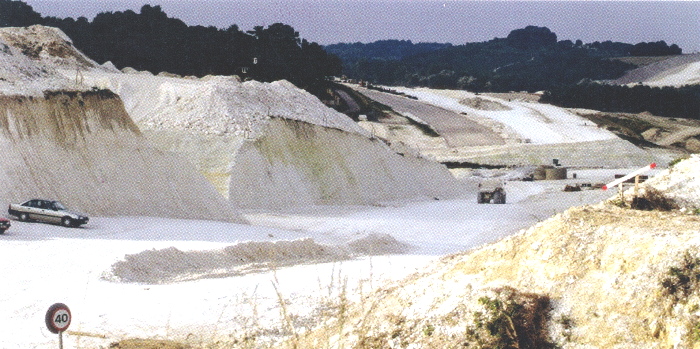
496	196
4	225
48	211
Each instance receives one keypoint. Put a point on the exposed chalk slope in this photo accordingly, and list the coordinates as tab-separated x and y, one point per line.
62	140
534	122
31	58
675	71
680	183
272	144
298	163
207	121
534	134
218	105
83	149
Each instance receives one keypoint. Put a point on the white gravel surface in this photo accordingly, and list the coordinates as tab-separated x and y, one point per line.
189	280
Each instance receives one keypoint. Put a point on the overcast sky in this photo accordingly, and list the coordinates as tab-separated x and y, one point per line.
454	21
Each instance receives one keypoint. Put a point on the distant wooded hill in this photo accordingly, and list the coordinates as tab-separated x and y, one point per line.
680	102
529	59
152	41
392	50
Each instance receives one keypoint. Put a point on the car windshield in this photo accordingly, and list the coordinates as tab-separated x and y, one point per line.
58	206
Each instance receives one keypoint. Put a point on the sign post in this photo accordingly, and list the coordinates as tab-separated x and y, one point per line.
57	319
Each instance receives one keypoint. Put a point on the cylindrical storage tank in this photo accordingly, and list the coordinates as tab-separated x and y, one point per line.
540	173
555	173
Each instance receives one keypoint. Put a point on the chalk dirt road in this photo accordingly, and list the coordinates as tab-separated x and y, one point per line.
457	130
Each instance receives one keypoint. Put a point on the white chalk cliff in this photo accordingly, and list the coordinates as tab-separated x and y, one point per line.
261	145
62	140
271	145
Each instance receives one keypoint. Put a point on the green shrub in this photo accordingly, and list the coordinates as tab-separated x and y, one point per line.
653	199
676	160
682	280
510	320
428	330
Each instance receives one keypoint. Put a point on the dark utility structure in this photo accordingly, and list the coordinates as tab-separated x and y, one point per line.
496	196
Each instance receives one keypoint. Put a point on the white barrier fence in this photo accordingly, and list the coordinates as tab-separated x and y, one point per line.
630	175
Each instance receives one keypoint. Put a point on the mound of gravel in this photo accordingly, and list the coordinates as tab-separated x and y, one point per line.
174	265
378	244
681	182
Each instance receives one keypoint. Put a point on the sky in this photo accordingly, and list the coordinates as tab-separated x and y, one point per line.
453	21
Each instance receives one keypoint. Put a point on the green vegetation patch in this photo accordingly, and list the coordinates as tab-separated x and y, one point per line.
682	280
677	160
681	102
529	59
510	320
653	200
632	123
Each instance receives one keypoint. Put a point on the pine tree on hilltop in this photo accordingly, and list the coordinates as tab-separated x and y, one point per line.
531	37
17	14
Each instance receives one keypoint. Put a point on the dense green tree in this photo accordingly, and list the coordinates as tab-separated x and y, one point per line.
659	48
152	41
531	37
528	59
683	102
17	14
381	50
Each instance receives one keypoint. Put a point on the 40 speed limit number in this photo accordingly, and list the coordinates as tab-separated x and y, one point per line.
58	318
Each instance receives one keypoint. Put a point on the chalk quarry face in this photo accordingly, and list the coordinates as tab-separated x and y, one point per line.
70	138
64	141
271	145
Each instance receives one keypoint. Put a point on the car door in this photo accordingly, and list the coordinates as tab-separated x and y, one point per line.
40	211
50	213
56	213
33	209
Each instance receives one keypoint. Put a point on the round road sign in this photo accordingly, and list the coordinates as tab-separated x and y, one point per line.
58	318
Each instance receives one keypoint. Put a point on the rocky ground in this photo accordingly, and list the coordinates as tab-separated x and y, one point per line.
596	276
675	135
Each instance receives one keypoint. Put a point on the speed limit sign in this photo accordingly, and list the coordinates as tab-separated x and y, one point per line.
58	318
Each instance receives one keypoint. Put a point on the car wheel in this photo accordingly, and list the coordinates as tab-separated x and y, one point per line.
499	198
67	222
2	231
24	217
